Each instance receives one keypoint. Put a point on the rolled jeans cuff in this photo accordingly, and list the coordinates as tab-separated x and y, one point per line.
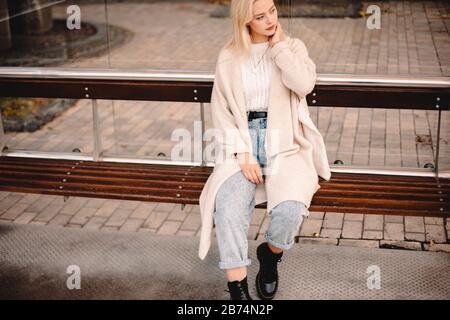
277	244
234	264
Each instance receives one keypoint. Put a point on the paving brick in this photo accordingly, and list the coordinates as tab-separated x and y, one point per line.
393	231
95	223
29	198
165	207
409	245
192	222
352	229
95	203
333	220
353	217
434	220
310	227
151	230
3	194
177	214
132	225
9	201
82	216
73	225
40	223
438	247
414	224
252	232
372	235
59	201
107	209
73	205
359	243
118	218
411	236
144	210
48	213
435	233
15	211
316	215
169	227
109	228
156	219
373	222
25	217
265	224
258	216
195	208
393	219
330	233
317	241
60	220
128	204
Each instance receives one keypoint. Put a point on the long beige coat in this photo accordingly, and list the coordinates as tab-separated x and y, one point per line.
295	149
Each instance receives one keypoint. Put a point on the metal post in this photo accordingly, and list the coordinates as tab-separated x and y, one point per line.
2	136
96	126
436	161
203	117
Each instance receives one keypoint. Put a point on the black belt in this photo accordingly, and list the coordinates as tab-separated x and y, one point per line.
256	114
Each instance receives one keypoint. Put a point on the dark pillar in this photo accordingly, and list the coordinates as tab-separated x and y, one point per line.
5	32
30	16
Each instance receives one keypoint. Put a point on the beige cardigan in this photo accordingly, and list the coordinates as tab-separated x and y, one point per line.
296	152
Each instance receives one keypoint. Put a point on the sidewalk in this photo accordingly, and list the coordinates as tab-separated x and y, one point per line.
37	263
330	228
414	38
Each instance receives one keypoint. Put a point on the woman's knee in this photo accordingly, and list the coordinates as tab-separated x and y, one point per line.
291	210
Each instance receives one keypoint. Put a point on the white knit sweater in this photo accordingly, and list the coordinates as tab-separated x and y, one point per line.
256	84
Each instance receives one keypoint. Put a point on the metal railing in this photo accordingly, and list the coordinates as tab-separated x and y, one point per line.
336	90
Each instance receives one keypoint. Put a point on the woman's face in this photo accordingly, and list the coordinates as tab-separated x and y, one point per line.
265	15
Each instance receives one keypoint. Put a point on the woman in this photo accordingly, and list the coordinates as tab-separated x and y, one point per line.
272	150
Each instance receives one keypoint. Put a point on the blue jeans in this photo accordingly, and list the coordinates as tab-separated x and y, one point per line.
257	129
235	202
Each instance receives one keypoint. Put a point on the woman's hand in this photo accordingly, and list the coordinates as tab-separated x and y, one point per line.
278	35
250	167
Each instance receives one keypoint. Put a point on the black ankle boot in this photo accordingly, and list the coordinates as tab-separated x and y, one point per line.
267	277
239	290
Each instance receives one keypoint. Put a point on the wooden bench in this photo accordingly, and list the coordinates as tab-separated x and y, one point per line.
346	192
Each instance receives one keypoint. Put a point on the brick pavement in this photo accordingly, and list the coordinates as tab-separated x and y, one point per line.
326	228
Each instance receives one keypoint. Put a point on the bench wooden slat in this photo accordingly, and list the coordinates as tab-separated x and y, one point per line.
345	192
378	210
170	176
92	188
154	197
94	180
429	199
128	168
133	178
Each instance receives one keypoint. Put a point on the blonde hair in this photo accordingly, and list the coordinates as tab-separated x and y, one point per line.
241	13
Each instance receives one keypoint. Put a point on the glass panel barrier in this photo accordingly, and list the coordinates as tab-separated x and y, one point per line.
48	125
342	37
381	138
150	129
444	145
